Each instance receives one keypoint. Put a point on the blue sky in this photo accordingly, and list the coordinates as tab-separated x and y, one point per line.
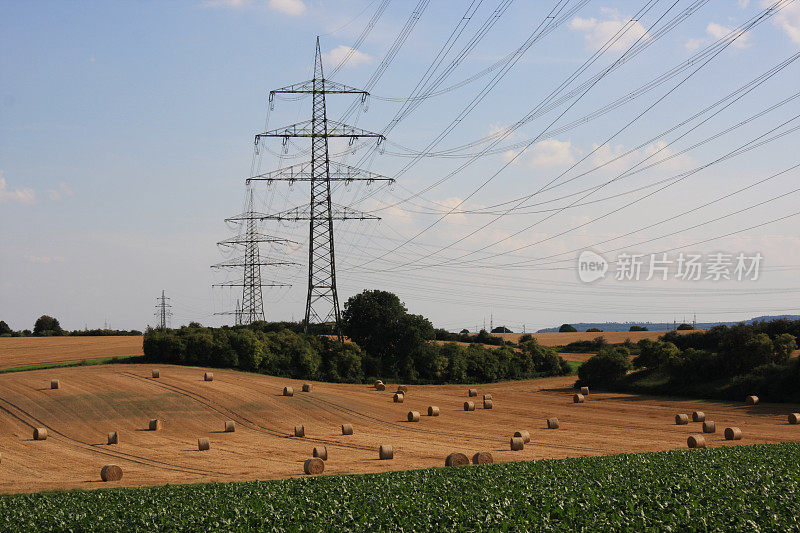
126	133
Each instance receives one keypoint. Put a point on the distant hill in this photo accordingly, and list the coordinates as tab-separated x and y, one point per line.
664	326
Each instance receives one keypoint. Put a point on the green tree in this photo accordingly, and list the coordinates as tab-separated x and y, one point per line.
567	328
609	365
638	328
46	326
685	326
4	329
655	354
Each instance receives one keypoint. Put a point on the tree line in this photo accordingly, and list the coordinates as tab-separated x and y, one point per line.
47	326
385	341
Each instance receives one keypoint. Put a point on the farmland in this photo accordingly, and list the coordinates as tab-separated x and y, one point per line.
26	351
92	401
678	490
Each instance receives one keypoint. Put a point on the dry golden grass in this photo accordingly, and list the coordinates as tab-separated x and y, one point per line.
24	351
561	339
94	400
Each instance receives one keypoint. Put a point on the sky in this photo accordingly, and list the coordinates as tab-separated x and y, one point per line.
519	135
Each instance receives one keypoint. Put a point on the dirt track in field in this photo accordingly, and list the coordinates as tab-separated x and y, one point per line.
23	351
95	400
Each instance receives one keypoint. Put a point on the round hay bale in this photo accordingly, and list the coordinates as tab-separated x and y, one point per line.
517	443
39	433
413	416
472	392
299	431
347	429
385	452
399	397
155	424
380	387
585	391
733	434
321	452
402	388
482	458
524	434
696	441
469	406
377	382
113	438
456	459
230	426
433	410
208	376
552	423
751	400
794	418
288	391
487	396
111	473
315	465
306	387
54	384
203	444
681	419
698	416
709	426
156	373
578	398
488	404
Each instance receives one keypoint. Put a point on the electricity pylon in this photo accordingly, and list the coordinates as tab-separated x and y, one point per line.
163	311
251	307
322	302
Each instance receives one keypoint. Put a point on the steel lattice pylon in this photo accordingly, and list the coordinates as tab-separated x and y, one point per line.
322	302
251	307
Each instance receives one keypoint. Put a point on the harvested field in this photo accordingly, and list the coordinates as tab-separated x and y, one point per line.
95	400
561	339
24	351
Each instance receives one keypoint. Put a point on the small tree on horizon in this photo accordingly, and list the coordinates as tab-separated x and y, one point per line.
685	326
567	328
46	325
4	328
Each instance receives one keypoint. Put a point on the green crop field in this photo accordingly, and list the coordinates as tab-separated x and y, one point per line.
742	488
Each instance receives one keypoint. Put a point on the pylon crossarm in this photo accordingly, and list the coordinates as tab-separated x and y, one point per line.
241	283
256	237
303	172
238	262
307	87
305	129
337	213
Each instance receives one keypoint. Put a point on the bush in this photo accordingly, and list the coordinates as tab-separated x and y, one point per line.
685	326
606	367
638	328
47	326
655	354
501	329
567	328
4	329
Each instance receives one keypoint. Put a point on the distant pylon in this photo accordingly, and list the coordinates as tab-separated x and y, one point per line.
251	308
163	311
322	300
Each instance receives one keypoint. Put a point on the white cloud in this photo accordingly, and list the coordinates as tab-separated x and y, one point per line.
288	7
743	3
44	259
62	191
338	54
788	19
598	32
22	195
718	31
715	32
657	153
552	153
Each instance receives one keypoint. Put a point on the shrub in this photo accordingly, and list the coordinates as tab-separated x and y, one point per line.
685	326
606	367
655	354
47	326
4	329
567	328
638	328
